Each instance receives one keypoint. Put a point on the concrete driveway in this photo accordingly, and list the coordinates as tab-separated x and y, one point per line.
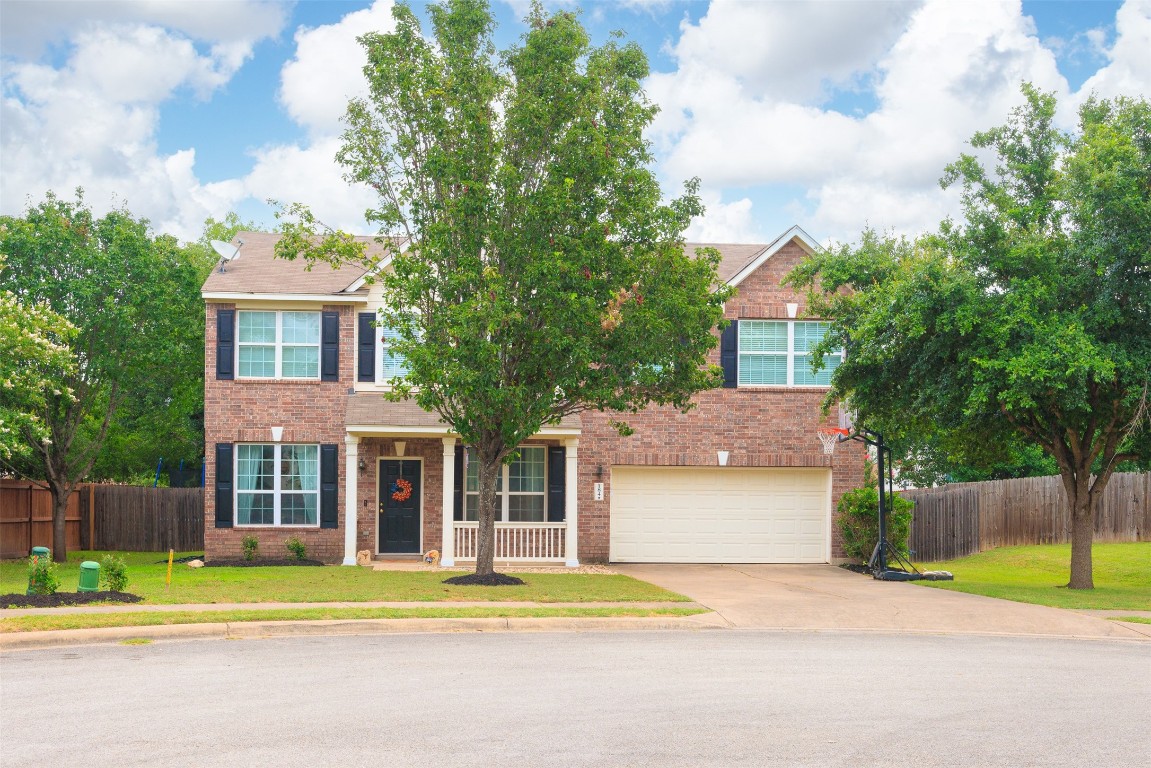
828	597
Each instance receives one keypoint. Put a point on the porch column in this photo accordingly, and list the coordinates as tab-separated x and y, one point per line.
571	503
351	486
447	548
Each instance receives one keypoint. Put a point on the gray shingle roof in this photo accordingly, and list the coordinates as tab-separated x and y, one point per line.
258	271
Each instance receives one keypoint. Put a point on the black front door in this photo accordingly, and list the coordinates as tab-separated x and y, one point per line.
399	506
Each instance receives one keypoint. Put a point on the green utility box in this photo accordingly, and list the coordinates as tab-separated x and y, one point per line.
89	576
41	552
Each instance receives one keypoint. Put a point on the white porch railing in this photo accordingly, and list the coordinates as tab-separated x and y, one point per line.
534	542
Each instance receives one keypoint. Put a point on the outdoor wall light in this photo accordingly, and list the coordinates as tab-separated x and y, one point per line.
599	470
363	466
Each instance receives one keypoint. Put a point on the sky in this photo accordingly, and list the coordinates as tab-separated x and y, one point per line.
833	115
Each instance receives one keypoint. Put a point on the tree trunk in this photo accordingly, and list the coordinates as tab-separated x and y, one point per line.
60	496
1082	534
489	473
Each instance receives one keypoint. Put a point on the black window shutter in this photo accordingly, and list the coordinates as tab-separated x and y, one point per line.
366	368
458	496
330	346
225	343
329	486
557	477
224	485
729	354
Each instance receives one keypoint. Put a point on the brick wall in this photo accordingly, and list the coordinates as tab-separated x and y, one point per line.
760	427
244	411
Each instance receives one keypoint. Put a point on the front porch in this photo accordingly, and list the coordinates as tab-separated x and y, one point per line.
540	515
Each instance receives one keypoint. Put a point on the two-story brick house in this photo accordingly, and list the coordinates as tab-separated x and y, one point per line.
300	442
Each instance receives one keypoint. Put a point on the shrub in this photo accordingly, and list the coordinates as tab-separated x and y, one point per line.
858	520
250	545
297	548
42	576
113	573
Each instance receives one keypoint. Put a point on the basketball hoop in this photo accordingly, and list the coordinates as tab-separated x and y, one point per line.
829	437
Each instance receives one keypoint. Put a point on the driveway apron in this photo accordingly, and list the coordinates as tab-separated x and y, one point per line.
828	597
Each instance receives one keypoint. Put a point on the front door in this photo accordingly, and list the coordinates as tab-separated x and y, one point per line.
399	506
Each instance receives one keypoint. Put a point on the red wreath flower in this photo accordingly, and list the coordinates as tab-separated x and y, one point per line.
401	490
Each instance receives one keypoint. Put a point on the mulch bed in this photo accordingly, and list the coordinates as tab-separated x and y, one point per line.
240	562
856	568
485	580
66	598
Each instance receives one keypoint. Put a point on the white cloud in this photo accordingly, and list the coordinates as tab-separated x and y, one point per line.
92	120
944	72
1128	71
327	70
297	174
792	50
723	222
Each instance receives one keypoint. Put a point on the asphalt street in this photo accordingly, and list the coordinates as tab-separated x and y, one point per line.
673	698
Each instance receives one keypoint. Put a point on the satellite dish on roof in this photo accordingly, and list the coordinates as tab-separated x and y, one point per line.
227	251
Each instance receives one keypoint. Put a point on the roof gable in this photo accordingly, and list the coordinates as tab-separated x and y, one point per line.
257	271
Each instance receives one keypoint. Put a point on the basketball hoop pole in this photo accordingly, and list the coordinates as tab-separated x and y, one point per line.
878	561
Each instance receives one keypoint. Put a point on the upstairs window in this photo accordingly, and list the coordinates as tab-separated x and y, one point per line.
392	364
778	352
279	345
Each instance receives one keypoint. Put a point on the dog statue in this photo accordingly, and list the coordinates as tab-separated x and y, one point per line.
432	556
364	557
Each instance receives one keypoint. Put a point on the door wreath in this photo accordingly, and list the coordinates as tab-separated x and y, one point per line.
401	490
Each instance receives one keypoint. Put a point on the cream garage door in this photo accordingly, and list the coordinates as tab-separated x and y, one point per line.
719	515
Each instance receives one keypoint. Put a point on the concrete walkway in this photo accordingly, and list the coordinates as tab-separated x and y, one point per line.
827	597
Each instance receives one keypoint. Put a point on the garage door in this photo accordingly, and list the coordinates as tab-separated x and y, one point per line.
719	515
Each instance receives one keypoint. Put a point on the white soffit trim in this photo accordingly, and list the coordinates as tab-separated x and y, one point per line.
396	430
380	266
806	241
322	298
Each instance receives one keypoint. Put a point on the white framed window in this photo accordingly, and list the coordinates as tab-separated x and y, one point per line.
521	488
778	352
277	484
278	345
391	364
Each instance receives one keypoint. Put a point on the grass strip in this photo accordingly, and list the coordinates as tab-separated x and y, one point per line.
147	575
157	618
1039	574
1133	619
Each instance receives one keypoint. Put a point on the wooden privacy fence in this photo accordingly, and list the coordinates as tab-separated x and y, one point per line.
963	518
26	519
149	519
118	517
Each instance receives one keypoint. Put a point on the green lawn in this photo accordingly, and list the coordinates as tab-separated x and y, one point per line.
334	584
1037	574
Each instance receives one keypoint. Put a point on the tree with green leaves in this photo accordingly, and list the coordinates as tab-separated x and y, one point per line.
34	359
129	296
1029	322
165	418
543	274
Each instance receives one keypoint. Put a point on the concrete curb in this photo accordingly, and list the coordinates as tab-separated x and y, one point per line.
267	629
